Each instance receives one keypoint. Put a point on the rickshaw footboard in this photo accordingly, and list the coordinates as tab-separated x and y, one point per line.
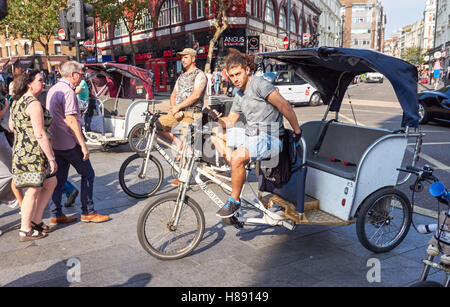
311	216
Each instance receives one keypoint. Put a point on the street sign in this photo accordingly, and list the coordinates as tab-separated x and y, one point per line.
437	55
286	43
426	58
89	45
253	43
61	34
306	37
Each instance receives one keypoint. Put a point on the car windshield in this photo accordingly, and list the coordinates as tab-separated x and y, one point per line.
270	76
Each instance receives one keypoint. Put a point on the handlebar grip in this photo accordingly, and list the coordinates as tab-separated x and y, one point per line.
413	169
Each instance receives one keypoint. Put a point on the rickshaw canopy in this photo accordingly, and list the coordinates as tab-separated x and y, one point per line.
129	73
331	70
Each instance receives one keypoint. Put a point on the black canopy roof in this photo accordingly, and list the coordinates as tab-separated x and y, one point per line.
331	70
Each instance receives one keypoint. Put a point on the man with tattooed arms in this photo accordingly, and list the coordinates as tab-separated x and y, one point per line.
186	99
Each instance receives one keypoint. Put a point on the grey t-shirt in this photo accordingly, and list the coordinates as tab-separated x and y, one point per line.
258	112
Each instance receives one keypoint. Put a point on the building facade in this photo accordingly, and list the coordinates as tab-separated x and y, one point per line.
365	22
22	52
330	23
429	24
168	26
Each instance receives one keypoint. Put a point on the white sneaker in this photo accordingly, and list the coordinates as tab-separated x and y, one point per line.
432	250
445	259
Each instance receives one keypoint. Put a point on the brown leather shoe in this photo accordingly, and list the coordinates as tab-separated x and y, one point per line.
175	182
62	220
94	218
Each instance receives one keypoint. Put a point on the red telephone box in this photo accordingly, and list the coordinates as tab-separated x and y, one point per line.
159	68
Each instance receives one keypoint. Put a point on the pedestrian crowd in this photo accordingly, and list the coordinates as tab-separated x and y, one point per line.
46	140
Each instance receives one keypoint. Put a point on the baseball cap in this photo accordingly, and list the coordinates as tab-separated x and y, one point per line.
189	51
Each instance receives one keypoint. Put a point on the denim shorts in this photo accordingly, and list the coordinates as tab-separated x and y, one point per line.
260	147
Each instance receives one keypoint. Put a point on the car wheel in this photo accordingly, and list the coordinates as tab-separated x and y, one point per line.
424	117
315	99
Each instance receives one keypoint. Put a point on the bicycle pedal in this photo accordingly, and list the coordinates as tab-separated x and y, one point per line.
234	222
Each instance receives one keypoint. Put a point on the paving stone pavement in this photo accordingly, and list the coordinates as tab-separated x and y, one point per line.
109	254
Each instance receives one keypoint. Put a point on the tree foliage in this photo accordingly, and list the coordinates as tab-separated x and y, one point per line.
130	12
414	55
35	20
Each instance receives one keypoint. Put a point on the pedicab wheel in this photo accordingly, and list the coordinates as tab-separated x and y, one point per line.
137	138
384	220
427	284
134	183
158	235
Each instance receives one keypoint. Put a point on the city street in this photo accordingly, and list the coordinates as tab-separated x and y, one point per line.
109	254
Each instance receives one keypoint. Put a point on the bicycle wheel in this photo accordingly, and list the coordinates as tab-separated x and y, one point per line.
138	138
157	234
133	184
384	220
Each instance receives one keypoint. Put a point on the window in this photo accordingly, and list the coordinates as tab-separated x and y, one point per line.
26	48
1	52
57	49
164	13
292	24
298	80
16	49
256	8
270	12
8	51
284	77
147	20
120	29
190	11
200	8
300	25
282	22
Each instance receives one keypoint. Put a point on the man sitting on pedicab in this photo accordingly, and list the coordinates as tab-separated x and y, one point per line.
263	108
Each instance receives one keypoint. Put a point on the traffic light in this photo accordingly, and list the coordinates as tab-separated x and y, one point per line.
196	46
83	21
190	40
63	31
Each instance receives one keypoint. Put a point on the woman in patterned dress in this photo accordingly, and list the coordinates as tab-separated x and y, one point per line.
34	163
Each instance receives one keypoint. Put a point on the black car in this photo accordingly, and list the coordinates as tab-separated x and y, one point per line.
435	105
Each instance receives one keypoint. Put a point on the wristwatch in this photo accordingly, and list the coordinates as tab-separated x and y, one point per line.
181	113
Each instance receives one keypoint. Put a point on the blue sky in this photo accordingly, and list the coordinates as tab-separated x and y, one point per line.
400	13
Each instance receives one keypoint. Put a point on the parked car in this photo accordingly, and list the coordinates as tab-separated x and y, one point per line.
293	88
434	105
375	77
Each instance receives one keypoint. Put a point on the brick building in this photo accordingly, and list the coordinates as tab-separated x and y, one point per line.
156	45
365	22
23	53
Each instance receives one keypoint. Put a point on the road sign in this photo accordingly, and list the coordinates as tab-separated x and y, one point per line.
286	43
253	43
89	45
62	34
306	37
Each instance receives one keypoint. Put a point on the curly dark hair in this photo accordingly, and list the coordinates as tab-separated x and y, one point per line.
236	58
21	82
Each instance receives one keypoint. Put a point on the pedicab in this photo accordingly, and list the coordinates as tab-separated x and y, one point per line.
345	173
120	95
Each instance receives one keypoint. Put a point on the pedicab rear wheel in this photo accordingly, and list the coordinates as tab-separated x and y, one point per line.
384	220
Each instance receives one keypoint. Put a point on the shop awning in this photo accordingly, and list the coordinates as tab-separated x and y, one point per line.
25	63
3	63
10	63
